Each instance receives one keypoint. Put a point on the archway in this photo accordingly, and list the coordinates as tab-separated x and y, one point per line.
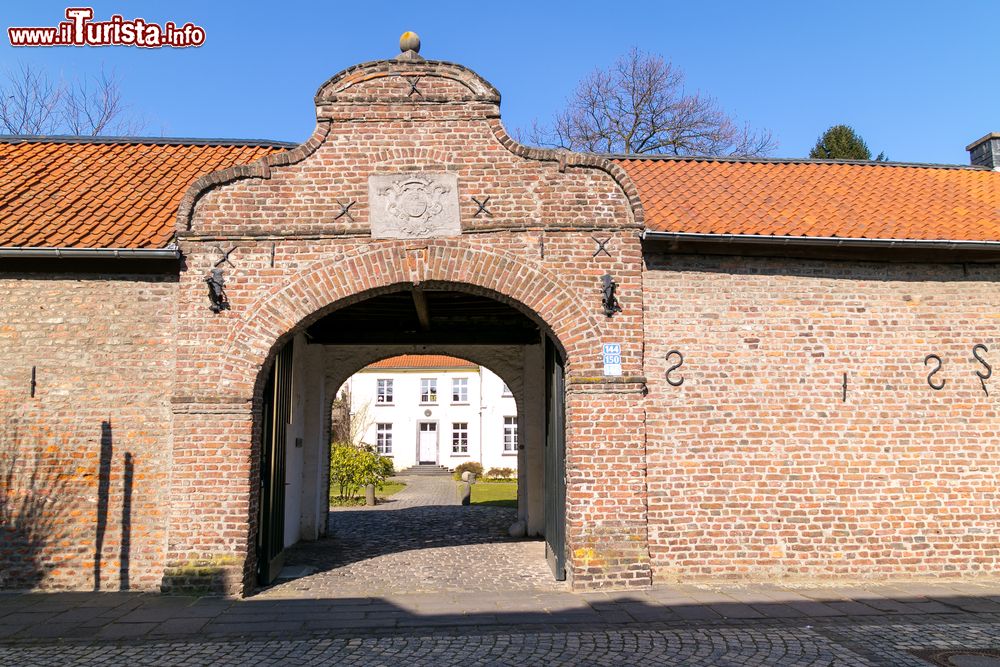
300	379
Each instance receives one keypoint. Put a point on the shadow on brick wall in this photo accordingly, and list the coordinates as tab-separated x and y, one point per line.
31	496
103	495
104	469
125	547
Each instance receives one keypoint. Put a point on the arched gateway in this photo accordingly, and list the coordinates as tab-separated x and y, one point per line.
804	388
409	184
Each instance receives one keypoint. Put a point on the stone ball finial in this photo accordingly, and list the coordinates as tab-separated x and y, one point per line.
409	41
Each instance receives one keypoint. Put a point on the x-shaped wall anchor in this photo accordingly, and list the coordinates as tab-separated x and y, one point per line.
413	86
482	207
225	257
345	209
601	246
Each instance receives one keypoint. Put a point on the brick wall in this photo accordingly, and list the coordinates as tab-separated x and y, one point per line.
85	462
533	249
144	434
758	469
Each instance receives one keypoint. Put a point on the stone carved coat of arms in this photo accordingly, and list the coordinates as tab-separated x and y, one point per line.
420	205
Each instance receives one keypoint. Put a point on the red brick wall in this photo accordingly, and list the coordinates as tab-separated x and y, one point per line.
757	467
104	349
534	249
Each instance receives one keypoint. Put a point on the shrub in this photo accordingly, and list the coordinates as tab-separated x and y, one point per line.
470	466
500	473
353	468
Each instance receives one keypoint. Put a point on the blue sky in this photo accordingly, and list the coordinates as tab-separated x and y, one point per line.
916	79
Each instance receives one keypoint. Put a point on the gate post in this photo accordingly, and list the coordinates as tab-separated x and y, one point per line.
210	496
606	502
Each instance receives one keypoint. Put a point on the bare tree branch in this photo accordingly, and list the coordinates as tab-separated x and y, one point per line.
639	105
29	102
32	104
361	421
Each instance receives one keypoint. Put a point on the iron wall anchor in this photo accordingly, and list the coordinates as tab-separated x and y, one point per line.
217	291
609	301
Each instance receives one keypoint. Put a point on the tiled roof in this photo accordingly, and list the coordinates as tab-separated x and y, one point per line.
104	193
124	193
817	199
422	361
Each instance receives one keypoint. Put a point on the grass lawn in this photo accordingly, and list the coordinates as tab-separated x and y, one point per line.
500	494
388	489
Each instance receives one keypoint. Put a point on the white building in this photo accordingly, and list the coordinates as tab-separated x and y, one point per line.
435	409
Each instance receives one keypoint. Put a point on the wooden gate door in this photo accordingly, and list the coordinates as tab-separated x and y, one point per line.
276	414
555	462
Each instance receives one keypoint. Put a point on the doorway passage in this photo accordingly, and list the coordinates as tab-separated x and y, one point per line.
422	538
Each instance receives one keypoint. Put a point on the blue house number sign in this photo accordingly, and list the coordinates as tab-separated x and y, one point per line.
612	359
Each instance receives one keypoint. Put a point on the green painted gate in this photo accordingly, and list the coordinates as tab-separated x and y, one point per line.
276	414
555	462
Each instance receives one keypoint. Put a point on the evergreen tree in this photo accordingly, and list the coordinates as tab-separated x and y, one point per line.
841	142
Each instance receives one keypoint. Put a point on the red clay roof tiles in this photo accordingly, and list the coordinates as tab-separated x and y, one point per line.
125	194
422	361
104	194
818	199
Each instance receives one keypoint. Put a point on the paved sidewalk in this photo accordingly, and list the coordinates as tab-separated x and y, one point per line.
669	625
422	581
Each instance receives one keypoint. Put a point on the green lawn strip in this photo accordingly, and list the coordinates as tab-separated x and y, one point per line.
499	494
388	489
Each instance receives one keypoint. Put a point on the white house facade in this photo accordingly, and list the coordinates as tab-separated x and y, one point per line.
435	410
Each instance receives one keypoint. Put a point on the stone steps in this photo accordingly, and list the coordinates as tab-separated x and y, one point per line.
429	470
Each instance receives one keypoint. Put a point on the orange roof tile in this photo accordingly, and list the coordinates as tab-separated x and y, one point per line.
422	361
124	193
817	199
104	193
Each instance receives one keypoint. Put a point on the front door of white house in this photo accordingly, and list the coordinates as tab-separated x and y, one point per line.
427	443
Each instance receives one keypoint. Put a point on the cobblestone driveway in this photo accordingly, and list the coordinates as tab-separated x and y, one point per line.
421	540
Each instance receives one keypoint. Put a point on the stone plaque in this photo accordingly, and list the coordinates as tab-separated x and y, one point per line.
416	205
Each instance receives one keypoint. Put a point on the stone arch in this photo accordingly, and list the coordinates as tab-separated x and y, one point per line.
331	283
336	281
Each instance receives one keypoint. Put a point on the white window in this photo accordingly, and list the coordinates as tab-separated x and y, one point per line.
383	391
383	439
460	438
509	434
428	390
506	390
460	390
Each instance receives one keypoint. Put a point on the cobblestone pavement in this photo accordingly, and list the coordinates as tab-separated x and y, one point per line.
420	540
702	638
638	646
486	612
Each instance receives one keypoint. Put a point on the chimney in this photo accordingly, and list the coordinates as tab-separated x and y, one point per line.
985	152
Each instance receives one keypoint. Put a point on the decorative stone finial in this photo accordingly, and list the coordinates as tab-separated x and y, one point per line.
409	41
